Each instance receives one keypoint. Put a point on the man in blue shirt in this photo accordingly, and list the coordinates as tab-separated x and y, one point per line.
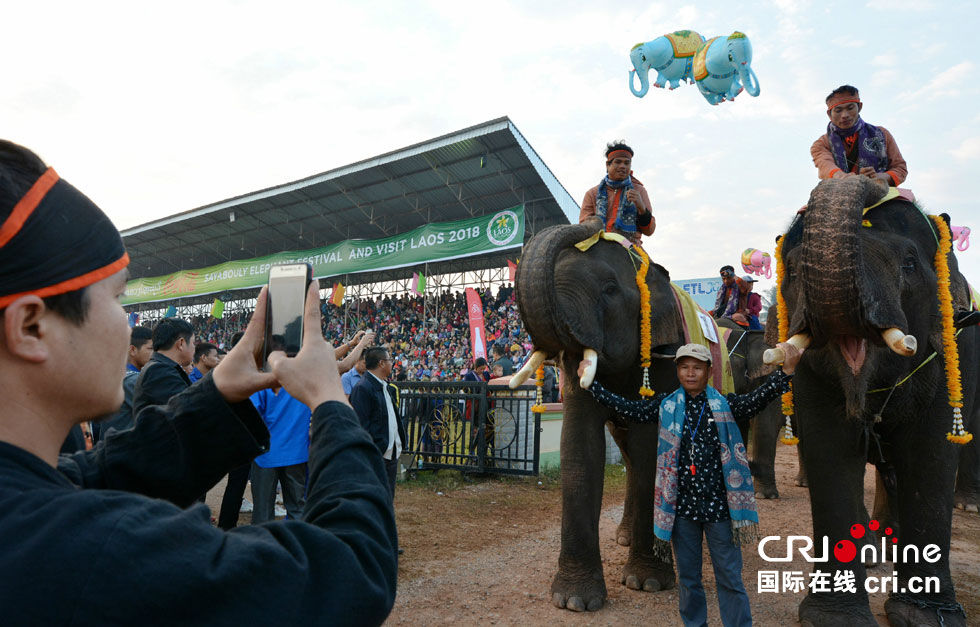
352	377
288	421
205	359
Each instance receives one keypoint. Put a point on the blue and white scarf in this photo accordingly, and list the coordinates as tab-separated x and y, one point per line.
626	213
734	467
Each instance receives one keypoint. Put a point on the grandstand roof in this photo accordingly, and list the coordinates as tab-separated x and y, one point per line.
472	172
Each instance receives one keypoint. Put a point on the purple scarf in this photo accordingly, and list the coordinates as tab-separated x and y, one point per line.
870	141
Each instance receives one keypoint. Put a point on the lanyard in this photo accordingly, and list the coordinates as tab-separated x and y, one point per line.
694	431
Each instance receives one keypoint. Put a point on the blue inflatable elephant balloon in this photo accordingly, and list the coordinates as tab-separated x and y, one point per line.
723	67
669	56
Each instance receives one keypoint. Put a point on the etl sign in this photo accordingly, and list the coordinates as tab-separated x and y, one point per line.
704	290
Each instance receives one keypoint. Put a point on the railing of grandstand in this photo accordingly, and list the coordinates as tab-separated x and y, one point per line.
470	426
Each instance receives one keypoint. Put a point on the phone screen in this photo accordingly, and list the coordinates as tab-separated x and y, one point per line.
284	317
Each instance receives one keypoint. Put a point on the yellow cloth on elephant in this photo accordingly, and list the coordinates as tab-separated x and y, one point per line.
721	377
588	242
684	42
701	60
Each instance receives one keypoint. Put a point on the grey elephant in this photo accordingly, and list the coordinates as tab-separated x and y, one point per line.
746	349
576	303
861	291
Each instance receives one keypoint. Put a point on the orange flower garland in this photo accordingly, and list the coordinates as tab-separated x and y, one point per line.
958	434
538	406
788	437
641	283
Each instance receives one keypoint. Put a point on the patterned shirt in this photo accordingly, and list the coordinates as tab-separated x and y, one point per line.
701	495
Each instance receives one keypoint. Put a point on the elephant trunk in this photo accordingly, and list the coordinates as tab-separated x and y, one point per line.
834	278
749	80
534	287
644	82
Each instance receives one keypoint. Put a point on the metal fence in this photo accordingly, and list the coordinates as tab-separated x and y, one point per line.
470	426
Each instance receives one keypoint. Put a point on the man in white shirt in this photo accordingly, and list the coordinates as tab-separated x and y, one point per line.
376	403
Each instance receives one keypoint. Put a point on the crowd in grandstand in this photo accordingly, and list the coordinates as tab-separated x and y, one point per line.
426	344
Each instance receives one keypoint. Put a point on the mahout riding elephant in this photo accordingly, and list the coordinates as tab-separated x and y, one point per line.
862	290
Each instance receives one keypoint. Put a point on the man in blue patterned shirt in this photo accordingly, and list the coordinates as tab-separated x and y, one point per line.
704	486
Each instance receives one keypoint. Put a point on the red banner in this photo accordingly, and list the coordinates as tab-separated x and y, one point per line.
478	337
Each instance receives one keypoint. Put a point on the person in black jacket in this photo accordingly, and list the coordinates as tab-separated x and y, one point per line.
101	537
376	403
164	376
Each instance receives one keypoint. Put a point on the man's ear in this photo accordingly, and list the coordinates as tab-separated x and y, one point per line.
25	323
860	106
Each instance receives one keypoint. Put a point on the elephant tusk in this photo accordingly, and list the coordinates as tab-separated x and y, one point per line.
777	356
589	375
522	375
898	341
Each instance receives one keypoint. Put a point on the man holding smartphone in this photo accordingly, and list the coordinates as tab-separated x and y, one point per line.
106	528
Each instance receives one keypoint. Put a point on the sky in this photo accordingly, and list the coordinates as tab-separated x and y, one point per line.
153	109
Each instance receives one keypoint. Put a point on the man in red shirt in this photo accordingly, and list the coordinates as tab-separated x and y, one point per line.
619	200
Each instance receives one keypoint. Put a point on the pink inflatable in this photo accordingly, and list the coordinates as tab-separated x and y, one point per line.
755	261
961	235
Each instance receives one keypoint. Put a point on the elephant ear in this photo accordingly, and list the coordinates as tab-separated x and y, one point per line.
665	323
772	326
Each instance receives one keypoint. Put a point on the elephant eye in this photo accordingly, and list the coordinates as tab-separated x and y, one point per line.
643	57
609	289
909	265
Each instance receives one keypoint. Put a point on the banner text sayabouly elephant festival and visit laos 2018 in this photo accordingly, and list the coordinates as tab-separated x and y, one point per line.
501	230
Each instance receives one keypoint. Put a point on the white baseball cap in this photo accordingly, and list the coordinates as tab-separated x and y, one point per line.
697	351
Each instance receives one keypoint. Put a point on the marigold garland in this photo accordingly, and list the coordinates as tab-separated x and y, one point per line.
641	283
783	315
538	406
954	387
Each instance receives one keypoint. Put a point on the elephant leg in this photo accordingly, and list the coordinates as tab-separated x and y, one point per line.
967	496
926	471
800	470
765	435
644	570
579	584
886	496
835	463
624	533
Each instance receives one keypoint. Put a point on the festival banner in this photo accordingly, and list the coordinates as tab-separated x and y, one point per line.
478	336
503	230
704	290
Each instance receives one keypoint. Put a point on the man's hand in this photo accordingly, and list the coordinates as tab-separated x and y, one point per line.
367	339
311	376
792	356
634	197
582	365
239	375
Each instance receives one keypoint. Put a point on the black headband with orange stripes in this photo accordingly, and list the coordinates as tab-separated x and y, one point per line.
55	240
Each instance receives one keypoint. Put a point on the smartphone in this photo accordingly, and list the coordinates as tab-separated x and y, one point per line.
286	304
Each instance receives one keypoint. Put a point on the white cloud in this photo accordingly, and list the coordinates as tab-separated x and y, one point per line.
884	60
969	150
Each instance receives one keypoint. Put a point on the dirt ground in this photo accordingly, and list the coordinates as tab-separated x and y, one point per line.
484	551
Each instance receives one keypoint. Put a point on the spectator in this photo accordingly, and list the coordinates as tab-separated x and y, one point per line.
163	376
62	346
354	375
501	359
233	499
288	421
479	372
140	351
498	371
205	359
376	403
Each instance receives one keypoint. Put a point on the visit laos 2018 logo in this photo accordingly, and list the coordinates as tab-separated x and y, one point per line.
502	228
